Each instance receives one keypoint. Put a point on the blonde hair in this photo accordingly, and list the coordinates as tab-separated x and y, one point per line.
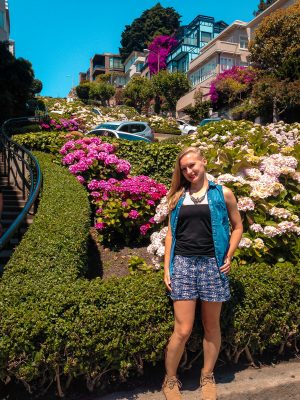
178	182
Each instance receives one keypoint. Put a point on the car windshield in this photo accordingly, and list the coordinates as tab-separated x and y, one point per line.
108	126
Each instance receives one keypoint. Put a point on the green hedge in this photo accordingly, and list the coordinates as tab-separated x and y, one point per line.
154	160
56	326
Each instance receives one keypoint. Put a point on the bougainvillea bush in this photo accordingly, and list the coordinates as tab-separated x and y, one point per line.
260	164
160	48
125	209
232	85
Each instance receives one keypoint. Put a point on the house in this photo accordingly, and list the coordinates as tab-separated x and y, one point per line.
191	38
134	64
104	64
226	50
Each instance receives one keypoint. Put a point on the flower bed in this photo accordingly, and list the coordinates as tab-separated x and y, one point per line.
125	208
260	166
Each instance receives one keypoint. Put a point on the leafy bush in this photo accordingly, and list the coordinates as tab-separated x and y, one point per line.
246	110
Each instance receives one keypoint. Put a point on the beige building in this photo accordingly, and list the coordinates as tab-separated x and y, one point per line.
228	49
134	64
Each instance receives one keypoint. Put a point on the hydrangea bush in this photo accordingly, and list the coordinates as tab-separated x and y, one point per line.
89	158
124	206
260	165
125	209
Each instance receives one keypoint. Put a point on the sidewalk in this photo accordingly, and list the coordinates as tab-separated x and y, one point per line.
280	382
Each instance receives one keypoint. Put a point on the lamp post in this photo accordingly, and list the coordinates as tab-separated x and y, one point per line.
154	52
72	77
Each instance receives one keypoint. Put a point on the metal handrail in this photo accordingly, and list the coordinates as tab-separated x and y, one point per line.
21	166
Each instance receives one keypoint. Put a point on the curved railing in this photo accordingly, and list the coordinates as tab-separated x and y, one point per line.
23	171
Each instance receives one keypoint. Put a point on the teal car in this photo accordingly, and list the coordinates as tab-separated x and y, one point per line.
117	134
208	120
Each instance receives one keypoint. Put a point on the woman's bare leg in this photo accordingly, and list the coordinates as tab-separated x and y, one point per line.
184	311
210	312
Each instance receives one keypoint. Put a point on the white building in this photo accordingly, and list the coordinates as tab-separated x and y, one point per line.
5	25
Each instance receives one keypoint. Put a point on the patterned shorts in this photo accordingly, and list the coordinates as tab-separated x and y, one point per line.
198	278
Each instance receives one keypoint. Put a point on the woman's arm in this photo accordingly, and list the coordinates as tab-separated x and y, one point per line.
236	225
168	244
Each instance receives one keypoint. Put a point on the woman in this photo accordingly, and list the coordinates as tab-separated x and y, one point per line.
198	252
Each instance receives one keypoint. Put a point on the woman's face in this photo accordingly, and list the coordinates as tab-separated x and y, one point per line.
193	167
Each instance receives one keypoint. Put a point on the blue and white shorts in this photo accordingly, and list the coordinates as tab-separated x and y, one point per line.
198	277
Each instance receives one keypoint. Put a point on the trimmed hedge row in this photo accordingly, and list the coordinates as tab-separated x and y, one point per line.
55	325
153	160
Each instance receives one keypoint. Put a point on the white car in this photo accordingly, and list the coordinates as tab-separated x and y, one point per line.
186	128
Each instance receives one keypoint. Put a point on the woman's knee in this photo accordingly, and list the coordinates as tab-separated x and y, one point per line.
182	333
211	327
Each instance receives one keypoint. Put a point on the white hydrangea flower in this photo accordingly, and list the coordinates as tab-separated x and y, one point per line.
256	228
245	204
271	231
258	243
245	242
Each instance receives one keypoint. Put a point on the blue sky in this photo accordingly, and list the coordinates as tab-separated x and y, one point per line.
59	36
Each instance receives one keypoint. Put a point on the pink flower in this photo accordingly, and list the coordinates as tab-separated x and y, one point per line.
100	225
80	179
144	229
133	214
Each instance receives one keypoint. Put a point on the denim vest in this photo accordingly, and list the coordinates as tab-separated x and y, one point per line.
219	223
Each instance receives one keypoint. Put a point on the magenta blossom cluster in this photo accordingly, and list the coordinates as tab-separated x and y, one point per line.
160	48
62	124
245	75
90	157
134	199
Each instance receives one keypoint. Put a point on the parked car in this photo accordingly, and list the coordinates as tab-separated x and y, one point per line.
208	120
186	128
139	128
117	134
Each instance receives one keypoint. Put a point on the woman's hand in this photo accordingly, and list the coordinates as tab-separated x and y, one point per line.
227	265
167	280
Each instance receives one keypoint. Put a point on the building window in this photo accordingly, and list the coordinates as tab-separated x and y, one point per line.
243	42
205	37
226	63
115	63
203	73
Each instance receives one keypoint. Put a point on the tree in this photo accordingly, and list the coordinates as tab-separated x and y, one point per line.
16	80
138	93
275	97
101	91
153	22
263	5
200	109
83	91
276	44
160	48
172	86
37	86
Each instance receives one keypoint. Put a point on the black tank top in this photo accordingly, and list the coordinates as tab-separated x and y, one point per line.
194	233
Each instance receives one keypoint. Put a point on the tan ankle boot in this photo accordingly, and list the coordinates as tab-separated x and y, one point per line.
171	388
208	388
